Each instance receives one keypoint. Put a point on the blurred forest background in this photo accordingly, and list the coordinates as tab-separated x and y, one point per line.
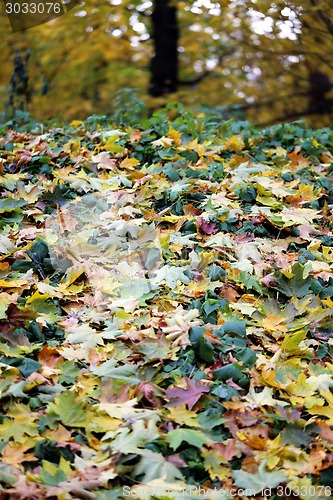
259	60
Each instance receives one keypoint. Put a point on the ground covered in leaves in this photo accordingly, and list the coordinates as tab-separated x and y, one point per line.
218	375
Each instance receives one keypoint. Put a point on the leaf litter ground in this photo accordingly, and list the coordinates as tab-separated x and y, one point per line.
166	310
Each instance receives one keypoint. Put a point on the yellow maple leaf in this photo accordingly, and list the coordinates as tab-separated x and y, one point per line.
299	215
15	453
175	135
328	302
129	163
274	323
182	416
235	143
303	387
20	424
322	411
291	342
216	464
18	283
264	398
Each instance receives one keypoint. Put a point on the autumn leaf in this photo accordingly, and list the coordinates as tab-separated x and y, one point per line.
69	410
22	423
155	465
297	159
260	480
190	395
207	226
190	436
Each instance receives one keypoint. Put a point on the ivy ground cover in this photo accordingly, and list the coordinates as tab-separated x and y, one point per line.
200	364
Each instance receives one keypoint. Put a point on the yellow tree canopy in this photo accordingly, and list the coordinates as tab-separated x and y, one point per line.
257	54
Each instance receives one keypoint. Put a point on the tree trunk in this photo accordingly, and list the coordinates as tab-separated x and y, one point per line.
164	64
